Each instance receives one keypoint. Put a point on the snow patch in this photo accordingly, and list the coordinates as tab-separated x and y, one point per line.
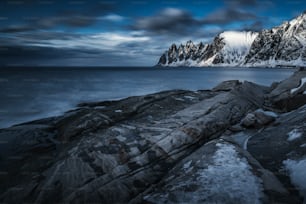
189	97
118	111
297	174
179	99
238	40
276	63
221	177
269	113
121	138
231	175
303	81
187	166
303	145
294	134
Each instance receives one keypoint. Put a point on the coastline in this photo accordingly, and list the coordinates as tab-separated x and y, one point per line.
142	141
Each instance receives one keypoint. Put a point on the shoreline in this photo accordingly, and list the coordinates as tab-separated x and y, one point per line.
36	103
160	144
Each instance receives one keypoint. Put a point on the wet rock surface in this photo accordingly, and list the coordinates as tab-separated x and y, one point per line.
212	146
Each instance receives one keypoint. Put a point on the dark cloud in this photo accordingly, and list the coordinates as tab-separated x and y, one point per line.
74	21
241	3
16	29
170	20
34	55
33	52
69	20
256	26
35	37
177	22
74	18
47	56
228	15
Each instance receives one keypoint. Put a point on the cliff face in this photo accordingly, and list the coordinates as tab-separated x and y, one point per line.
221	145
281	46
284	44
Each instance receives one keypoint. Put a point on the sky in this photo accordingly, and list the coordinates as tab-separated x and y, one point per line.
121	32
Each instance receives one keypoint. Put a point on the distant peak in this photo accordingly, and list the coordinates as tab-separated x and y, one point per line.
189	42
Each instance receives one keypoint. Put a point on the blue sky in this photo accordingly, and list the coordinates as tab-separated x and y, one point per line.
123	33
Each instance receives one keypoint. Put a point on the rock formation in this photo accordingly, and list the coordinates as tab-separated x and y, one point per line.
284	45
223	145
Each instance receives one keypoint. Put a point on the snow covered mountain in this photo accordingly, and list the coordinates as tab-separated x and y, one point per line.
284	45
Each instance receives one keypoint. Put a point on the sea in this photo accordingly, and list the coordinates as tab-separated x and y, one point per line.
33	93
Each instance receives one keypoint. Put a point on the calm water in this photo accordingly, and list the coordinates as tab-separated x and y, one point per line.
28	94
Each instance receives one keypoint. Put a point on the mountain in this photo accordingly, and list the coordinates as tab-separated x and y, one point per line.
284	45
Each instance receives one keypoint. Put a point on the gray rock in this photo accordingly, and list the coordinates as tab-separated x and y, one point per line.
258	118
283	98
226	85
272	147
128	150
212	174
249	120
264	117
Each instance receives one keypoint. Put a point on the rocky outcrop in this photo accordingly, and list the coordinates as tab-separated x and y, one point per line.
283	45
170	147
228	48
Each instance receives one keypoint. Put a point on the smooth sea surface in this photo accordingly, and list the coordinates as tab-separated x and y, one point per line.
32	93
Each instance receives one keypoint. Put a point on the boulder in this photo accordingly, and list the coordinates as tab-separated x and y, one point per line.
258	118
288	94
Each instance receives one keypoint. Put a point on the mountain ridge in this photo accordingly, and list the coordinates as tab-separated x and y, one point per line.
283	45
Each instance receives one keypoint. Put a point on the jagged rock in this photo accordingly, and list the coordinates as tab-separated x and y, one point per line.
163	59
280	46
117	151
223	50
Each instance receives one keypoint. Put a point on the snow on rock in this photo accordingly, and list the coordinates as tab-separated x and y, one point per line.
189	97
303	81
231	175
297	174
269	113
281	46
294	134
187	166
228	49
220	177
238	40
237	46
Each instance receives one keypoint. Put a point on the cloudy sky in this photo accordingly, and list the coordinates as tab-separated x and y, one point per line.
122	32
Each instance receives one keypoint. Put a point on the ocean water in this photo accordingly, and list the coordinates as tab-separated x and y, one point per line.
33	93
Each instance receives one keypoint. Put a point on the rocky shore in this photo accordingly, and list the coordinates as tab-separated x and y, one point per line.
237	143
